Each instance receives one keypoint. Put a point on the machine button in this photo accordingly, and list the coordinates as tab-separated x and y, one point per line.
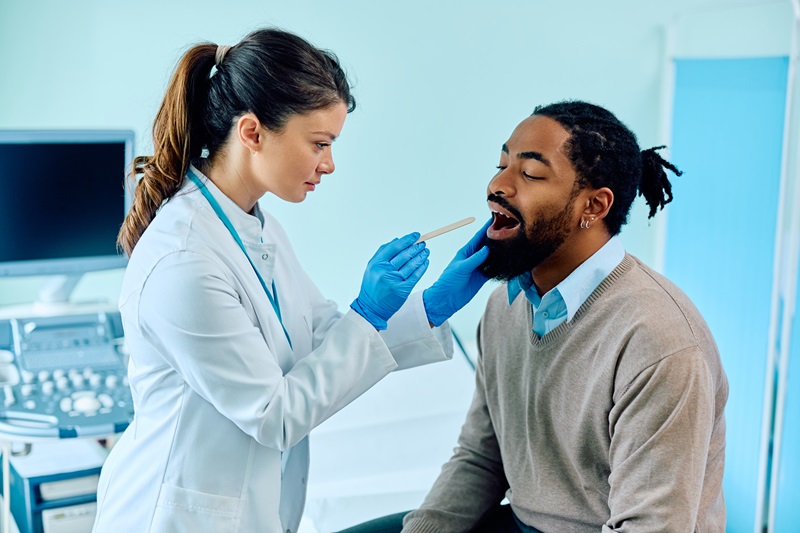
111	381
106	400
95	380
86	404
62	383
29	404
8	394
27	376
66	404
59	373
26	389
43	375
47	387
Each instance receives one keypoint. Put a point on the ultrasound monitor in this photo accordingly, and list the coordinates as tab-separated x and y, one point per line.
62	201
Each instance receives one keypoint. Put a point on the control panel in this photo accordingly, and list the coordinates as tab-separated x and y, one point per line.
63	376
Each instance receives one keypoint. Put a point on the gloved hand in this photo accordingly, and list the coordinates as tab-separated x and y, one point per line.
390	276
459	282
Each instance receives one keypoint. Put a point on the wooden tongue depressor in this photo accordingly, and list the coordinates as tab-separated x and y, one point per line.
449	227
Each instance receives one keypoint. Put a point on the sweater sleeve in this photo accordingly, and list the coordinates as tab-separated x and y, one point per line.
471	483
660	429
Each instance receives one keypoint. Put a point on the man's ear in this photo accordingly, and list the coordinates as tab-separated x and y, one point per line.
250	132
598	204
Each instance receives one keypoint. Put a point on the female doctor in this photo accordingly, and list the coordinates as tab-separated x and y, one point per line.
234	354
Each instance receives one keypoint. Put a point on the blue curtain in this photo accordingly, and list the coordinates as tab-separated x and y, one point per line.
727	137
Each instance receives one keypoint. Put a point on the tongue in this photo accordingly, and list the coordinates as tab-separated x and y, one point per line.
502	221
502	227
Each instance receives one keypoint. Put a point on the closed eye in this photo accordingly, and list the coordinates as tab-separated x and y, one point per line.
529	177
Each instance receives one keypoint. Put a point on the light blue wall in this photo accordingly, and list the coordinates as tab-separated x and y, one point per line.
440	85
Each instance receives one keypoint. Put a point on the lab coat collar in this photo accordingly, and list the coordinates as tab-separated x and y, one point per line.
249	226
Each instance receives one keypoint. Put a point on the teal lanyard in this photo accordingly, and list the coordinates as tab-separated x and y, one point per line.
221	214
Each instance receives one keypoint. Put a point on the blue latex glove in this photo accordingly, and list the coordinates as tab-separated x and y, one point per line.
390	276
459	282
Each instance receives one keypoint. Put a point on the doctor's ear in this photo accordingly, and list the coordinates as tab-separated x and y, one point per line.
250	132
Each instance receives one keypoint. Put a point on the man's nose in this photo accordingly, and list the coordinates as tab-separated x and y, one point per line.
501	184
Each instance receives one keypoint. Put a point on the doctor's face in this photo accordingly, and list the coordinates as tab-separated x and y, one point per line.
294	160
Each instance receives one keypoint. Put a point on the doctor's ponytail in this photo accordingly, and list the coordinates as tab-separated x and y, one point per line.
271	73
176	141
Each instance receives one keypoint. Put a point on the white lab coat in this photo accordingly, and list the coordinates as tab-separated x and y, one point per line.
223	405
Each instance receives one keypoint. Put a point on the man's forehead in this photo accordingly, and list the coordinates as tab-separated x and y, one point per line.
537	134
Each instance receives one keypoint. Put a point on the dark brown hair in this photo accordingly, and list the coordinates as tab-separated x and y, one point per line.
271	73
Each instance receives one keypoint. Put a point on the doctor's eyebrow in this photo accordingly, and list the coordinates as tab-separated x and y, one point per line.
329	134
529	155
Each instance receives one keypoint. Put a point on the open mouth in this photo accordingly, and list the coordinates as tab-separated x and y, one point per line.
504	225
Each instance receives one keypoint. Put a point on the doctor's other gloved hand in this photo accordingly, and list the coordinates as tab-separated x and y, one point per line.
459	282
389	279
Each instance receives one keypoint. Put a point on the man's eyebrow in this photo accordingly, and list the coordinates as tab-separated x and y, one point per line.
529	155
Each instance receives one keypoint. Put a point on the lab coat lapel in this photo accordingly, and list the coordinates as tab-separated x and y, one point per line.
263	257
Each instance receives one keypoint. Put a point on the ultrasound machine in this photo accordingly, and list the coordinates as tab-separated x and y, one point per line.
62	362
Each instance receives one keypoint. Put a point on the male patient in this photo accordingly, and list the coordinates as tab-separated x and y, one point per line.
599	390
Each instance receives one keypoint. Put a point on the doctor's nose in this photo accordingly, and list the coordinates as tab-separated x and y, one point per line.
326	165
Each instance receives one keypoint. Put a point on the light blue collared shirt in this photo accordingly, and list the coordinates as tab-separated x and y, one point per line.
559	304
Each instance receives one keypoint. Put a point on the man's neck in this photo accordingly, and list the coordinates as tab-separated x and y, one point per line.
569	256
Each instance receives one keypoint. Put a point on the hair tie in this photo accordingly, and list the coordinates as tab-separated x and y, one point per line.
220	55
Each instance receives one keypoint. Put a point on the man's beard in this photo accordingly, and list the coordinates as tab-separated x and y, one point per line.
509	258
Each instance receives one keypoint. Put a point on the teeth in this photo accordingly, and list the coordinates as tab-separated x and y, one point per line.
502	214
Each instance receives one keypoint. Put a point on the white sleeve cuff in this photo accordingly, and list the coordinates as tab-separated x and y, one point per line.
411	339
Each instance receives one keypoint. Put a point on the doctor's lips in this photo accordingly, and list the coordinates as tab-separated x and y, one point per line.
505	219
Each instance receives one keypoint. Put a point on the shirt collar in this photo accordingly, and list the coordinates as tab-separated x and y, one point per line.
580	284
521	283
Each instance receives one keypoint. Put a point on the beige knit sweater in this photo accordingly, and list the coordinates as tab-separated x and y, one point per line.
611	422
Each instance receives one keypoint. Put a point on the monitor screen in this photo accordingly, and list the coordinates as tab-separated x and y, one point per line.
62	200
